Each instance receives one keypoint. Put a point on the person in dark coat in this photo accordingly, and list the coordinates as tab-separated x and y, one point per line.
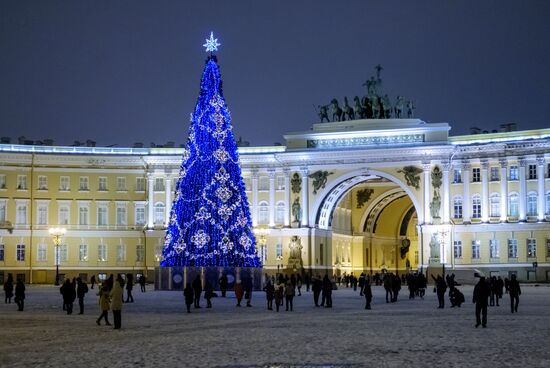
208	293
440	288
421	285
239	292
68	292
456	297
197	288
189	295
387	280
482	291
110	281
395	286
316	287
92	281
514	291
327	292
142	283
129	287
494	291
8	289
223	284
367	291
269	294
20	295
81	290
247	287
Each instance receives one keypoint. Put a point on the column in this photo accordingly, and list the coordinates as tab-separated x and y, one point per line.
503	190
304	197
484	190
540	187
254	197
168	198
466	200
426	167
446	191
150	200
271	173
522	189
287	197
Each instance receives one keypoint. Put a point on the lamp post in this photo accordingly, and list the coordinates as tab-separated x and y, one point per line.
57	233
262	232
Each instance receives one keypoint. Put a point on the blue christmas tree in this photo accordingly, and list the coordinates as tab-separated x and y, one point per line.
210	218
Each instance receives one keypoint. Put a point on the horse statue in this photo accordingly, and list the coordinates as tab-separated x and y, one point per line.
375	104
348	111
386	107
337	113
410	109
358	109
399	105
323	113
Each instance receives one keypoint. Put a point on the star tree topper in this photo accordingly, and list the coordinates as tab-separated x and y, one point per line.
212	43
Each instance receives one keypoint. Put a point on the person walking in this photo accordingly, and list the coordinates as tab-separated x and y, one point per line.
197	288
327	292
299	284
278	295
514	291
117	295
208	293
482	291
223	284
129	288
67	291
142	283
289	296
367	291
239	292
20	295
81	290
247	286
189	295
92	281
104	304
269	294
8	289
316	287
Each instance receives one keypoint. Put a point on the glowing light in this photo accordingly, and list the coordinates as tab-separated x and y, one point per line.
211	43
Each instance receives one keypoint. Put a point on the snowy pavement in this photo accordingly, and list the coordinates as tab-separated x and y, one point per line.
157	333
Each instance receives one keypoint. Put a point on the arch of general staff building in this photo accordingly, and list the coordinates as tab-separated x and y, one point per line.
357	196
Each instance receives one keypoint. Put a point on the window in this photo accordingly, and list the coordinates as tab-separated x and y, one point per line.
457	176
63	253
21	214
3	181
159	213
263	253
457	207
457	248
514	173
102	252
532	204
263	213
495	205
547	205
42	182
140	184
2	211
83	253
121	184
279	250
476	206
102	184
159	185
1	252
547	248
476	175
531	248
512	248
42	253
264	183
22	182
476	245
494	248
140	215
158	252
64	183
121	253
140	253
84	183
83	215
495	174
281	183
247	185
42	214
280	213
63	215
513	205
121	215
532	172
102	215
20	252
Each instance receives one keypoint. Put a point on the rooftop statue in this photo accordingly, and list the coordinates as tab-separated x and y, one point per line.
348	111
336	110
323	113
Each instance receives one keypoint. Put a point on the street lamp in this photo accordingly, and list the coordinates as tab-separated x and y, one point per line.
262	233
57	233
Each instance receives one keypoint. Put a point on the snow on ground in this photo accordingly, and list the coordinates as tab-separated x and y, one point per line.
157	333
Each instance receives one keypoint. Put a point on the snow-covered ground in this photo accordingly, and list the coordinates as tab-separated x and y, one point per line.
157	333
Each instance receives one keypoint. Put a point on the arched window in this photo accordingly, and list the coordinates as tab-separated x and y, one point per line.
159	213
457	205
280	213
513	204
495	205
263	213
532	204
476	206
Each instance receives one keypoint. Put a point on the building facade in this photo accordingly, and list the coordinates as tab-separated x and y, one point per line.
355	196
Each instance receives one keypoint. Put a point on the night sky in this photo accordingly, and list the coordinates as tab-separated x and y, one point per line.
120	72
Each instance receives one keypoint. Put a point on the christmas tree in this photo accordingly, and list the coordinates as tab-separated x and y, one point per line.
210	218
